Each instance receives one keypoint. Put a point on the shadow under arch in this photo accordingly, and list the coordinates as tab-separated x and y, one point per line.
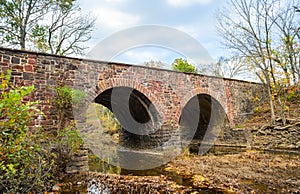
202	119
136	114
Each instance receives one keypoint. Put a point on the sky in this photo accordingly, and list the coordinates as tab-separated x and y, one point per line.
194	18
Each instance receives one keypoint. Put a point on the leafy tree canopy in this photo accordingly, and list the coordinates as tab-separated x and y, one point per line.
183	65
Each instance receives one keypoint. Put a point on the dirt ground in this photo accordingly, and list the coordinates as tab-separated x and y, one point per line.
246	172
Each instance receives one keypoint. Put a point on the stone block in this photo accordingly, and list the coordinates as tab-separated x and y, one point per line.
28	68
15	60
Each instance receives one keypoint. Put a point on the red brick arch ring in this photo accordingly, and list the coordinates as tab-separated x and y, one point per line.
198	91
121	82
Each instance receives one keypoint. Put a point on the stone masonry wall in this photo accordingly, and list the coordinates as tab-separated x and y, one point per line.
169	91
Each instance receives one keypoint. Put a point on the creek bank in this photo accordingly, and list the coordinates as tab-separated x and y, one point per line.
95	182
244	172
277	136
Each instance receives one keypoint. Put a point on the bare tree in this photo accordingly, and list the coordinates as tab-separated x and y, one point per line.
264	32
232	67
155	64
19	18
53	26
246	28
287	54
68	30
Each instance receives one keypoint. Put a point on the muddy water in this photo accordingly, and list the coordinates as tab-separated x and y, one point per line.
183	180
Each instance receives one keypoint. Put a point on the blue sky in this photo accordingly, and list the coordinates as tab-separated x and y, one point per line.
194	17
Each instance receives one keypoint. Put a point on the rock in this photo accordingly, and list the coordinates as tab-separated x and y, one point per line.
56	188
83	169
81	163
80	159
297	124
282	145
81	153
75	169
291	146
71	169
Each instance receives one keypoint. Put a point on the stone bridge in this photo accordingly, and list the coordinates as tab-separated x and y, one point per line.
151	104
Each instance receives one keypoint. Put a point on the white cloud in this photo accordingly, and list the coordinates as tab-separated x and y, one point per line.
139	55
158	36
189	29
197	31
187	2
113	1
142	56
114	19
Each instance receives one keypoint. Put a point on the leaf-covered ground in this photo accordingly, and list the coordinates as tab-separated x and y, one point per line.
246	172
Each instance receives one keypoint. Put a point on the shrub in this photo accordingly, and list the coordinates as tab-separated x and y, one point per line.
65	98
67	139
66	142
25	166
292	96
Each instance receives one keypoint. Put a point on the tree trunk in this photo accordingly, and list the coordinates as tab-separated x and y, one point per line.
271	101
22	38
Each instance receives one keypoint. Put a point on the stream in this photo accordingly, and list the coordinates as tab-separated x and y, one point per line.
182	180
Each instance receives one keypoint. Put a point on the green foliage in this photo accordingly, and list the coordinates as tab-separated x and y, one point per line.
104	135
64	144
67	139
65	4
18	23
292	96
182	65
39	37
239	126
70	137
258	109
186	152
25	165
109	123
30	160
65	98
99	165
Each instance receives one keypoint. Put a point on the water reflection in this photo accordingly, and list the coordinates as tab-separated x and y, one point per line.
95	187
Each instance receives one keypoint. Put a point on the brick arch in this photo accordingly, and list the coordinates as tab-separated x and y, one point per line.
196	91
121	82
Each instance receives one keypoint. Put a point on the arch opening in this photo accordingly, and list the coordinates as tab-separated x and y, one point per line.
136	114
202	119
